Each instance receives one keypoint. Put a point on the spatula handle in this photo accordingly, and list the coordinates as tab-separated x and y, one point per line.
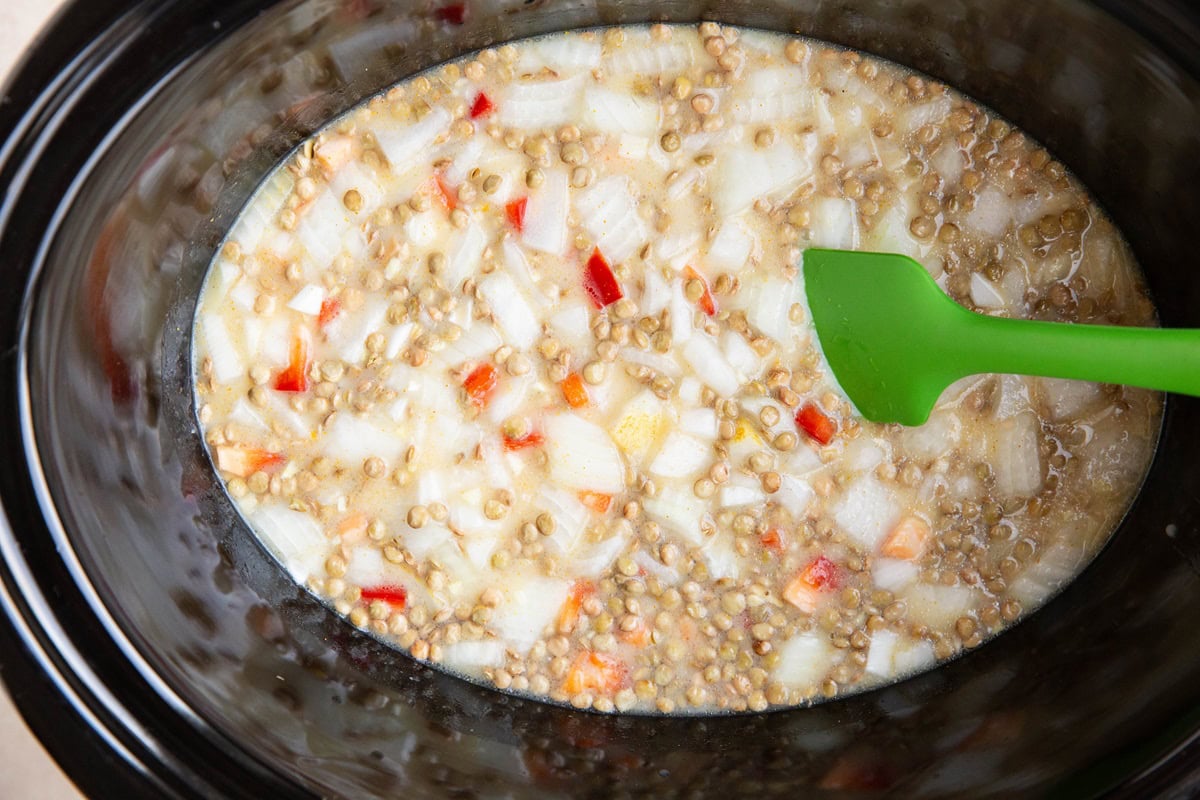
1167	359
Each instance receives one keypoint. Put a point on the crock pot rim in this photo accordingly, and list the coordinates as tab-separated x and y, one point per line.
32	661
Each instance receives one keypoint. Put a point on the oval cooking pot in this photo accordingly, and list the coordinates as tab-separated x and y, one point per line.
158	652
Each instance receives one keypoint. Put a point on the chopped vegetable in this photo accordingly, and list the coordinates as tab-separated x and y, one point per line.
815	423
480	383
330	308
596	671
705	300
599	282
638	635
245	461
395	596
582	455
908	539
773	540
804	591
574	392
482	106
533	439
596	501
515	211
445	193
568	615
294	378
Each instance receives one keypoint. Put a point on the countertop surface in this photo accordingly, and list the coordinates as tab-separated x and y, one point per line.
26	771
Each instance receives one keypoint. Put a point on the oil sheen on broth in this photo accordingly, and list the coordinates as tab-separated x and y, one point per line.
511	366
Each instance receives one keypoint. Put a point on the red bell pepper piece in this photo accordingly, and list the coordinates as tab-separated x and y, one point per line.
515	210
482	106
599	281
480	383
816	423
395	596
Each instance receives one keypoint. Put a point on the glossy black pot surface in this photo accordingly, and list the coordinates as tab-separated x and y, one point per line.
159	652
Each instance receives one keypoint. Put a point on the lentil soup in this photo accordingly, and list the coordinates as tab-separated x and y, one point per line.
510	365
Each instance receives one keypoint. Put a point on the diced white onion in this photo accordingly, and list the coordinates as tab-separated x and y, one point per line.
794	494
772	94
226	363
938	606
893	574
540	103
609	214
308	300
565	52
593	561
408	144
572	326
582	455
732	246
1017	460
466	257
619	112
992	214
546	214
744	174
834	223
473	656
803	660
984	293
707	361
866	511
681	456
663	58
352	440
656	294
679	509
294	536
509	308
741	356
530	604
879	656
700	422
739	495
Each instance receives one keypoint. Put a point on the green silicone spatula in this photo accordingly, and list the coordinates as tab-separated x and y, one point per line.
895	340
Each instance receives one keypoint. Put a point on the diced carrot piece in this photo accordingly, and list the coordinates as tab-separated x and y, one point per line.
395	596
334	153
638	636
908	539
706	302
480	384
330	308
596	501
515	210
482	106
244	461
596	671
773	541
353	527
804	591
533	439
445	193
568	615
816	423
574	392
294	377
599	281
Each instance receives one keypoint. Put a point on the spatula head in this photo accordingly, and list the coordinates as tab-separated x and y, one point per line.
882	323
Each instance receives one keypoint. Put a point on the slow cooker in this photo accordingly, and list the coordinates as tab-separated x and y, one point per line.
158	651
